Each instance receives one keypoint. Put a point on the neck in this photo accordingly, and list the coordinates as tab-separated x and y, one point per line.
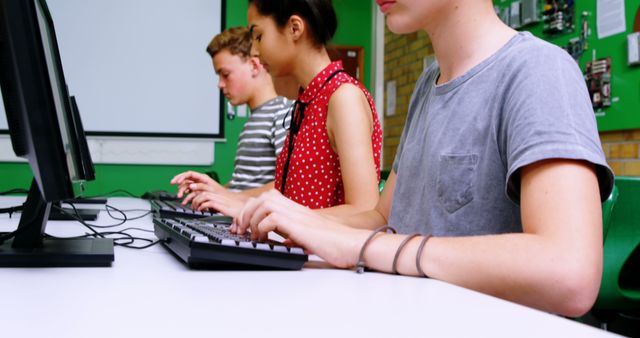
467	33
264	91
309	63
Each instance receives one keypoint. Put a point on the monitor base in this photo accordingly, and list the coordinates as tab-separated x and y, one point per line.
59	252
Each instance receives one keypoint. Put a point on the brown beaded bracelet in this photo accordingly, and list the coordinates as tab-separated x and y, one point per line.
360	265
394	268
419	255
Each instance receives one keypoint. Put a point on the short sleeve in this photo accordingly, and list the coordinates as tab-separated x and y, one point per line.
548	114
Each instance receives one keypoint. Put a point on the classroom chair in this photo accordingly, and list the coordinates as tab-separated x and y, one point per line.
620	286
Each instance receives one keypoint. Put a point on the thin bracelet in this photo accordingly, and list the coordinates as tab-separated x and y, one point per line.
419	255
360	264
394	269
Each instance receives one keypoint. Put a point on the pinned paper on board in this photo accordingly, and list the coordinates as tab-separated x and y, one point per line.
610	18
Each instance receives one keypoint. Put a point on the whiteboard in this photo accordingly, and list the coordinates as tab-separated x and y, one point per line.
139	68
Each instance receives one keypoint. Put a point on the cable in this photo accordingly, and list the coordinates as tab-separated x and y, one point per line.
12	234
29	220
137	229
17	208
125	217
76	216
113	193
11	210
14	191
126	241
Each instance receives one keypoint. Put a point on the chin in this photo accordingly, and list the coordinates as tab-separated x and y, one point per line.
397	26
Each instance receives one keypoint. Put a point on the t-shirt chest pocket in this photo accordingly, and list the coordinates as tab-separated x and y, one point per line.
456	179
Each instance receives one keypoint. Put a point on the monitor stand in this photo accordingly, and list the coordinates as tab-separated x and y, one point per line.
30	248
71	214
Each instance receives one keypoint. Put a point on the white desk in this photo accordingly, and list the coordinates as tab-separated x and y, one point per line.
150	293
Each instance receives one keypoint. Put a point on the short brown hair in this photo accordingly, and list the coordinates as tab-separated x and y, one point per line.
237	40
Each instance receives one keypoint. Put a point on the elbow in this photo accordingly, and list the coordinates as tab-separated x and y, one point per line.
578	291
362	205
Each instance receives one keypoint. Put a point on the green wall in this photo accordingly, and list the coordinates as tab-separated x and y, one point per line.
624	113
355	28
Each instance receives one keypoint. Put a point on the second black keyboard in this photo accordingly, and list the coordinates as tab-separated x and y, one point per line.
210	245
176	209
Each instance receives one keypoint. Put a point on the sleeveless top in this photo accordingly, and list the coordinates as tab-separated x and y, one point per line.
313	177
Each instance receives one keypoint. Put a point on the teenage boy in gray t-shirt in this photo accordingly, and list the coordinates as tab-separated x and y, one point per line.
500	161
463	146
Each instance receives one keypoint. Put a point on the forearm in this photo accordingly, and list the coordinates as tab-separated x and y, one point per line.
523	268
370	219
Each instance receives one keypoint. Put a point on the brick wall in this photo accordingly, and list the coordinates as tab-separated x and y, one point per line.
404	62
621	150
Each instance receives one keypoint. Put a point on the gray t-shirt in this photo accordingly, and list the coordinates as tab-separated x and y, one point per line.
259	144
464	141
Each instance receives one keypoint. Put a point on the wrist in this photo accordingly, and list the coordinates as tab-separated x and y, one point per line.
347	244
361	264
354	245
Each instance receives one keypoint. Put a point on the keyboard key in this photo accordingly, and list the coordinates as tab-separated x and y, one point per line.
247	245
200	239
280	248
263	246
229	242
297	251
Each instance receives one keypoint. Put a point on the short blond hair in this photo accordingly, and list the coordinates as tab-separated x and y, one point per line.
236	40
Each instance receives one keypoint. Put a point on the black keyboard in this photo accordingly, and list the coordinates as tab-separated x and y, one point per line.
176	209
204	244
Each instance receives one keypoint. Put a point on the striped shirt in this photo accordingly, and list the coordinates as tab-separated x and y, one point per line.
259	144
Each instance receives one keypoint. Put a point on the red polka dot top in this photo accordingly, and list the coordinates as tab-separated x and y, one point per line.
313	177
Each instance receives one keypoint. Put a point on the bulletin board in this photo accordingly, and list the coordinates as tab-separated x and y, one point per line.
624	110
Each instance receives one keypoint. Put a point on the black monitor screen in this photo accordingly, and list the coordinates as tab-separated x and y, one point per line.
58	87
46	130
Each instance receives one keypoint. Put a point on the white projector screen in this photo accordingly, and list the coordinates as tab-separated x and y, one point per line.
139	68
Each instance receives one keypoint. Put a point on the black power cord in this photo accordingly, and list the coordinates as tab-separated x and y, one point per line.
126	240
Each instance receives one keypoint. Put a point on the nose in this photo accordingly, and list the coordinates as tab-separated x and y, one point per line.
220	84
255	52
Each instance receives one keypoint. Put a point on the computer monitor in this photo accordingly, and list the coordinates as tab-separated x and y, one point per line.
86	173
43	130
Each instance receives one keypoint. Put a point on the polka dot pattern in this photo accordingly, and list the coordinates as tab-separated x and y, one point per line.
314	178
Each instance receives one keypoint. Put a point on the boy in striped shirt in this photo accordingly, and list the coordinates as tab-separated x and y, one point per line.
244	80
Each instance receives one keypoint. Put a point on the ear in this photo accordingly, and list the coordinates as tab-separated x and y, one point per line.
256	66
296	27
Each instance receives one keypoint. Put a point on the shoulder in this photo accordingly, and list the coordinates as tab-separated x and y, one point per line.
280	103
275	107
281	111
286	103
346	87
348	97
530	56
346	91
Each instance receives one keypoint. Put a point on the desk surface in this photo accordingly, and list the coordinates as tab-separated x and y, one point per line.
150	293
